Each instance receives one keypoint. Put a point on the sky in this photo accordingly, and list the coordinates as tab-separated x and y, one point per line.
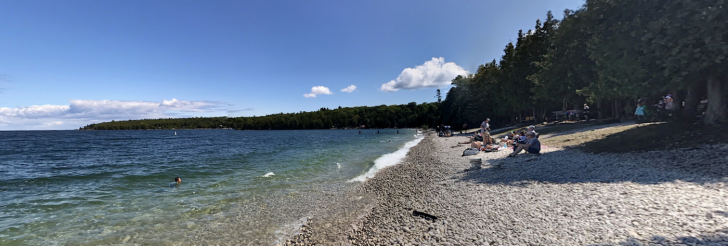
66	64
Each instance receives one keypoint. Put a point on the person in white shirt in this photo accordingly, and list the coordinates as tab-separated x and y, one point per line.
485	126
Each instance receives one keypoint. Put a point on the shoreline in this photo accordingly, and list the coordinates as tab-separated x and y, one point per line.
562	197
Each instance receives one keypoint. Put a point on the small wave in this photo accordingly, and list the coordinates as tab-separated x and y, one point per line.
338	165
268	174
388	160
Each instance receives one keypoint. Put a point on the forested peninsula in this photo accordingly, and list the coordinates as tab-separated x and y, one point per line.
393	116
611	55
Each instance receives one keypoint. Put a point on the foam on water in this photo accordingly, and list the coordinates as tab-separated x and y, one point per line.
268	174
389	159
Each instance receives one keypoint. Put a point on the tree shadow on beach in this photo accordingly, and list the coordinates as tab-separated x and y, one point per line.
719	237
650	137
698	165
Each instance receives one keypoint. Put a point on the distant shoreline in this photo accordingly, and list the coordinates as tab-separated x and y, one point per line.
413	128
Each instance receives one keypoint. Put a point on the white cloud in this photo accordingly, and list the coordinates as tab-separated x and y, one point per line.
54	123
82	112
318	90
433	73
349	89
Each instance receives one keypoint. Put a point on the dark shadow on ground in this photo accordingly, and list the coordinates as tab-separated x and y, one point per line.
719	237
699	165
566	129
659	137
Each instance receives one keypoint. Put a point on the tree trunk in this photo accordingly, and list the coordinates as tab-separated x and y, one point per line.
692	99
520	117
599	109
620	108
679	98
717	102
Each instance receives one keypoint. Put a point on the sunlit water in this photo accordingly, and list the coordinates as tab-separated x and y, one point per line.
114	187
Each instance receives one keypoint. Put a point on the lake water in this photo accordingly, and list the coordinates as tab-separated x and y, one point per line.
114	187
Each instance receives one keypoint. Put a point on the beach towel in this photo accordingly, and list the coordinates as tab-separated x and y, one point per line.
470	151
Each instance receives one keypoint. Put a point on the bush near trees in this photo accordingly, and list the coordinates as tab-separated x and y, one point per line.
608	53
406	115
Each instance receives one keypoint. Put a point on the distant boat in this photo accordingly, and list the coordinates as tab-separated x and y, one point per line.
175	133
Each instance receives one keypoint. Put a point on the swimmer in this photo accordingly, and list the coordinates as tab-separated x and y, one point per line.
176	183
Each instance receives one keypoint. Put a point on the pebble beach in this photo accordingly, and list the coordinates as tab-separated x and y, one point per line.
562	197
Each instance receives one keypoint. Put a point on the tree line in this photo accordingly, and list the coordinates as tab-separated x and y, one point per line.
383	116
608	53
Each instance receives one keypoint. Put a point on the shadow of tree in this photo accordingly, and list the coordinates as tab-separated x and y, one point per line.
718	238
699	165
561	130
658	137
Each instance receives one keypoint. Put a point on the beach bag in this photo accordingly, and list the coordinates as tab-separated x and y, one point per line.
470	151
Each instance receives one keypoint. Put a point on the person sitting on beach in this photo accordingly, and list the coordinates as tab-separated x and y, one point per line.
519	138
508	138
478	144
475	136
532	145
489	144
532	128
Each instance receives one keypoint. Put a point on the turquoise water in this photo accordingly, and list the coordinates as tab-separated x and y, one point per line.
113	187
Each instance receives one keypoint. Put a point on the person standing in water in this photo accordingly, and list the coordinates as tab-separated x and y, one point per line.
177	181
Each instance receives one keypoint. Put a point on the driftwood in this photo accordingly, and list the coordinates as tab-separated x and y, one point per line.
424	215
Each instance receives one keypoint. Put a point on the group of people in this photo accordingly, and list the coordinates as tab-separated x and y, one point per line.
664	108
525	140
444	131
481	139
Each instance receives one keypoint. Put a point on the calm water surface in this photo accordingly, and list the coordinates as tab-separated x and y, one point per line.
113	187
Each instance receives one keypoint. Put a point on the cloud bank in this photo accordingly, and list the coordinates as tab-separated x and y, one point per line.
318	90
349	89
82	112
433	73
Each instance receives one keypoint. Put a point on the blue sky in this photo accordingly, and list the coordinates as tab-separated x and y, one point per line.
65	64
